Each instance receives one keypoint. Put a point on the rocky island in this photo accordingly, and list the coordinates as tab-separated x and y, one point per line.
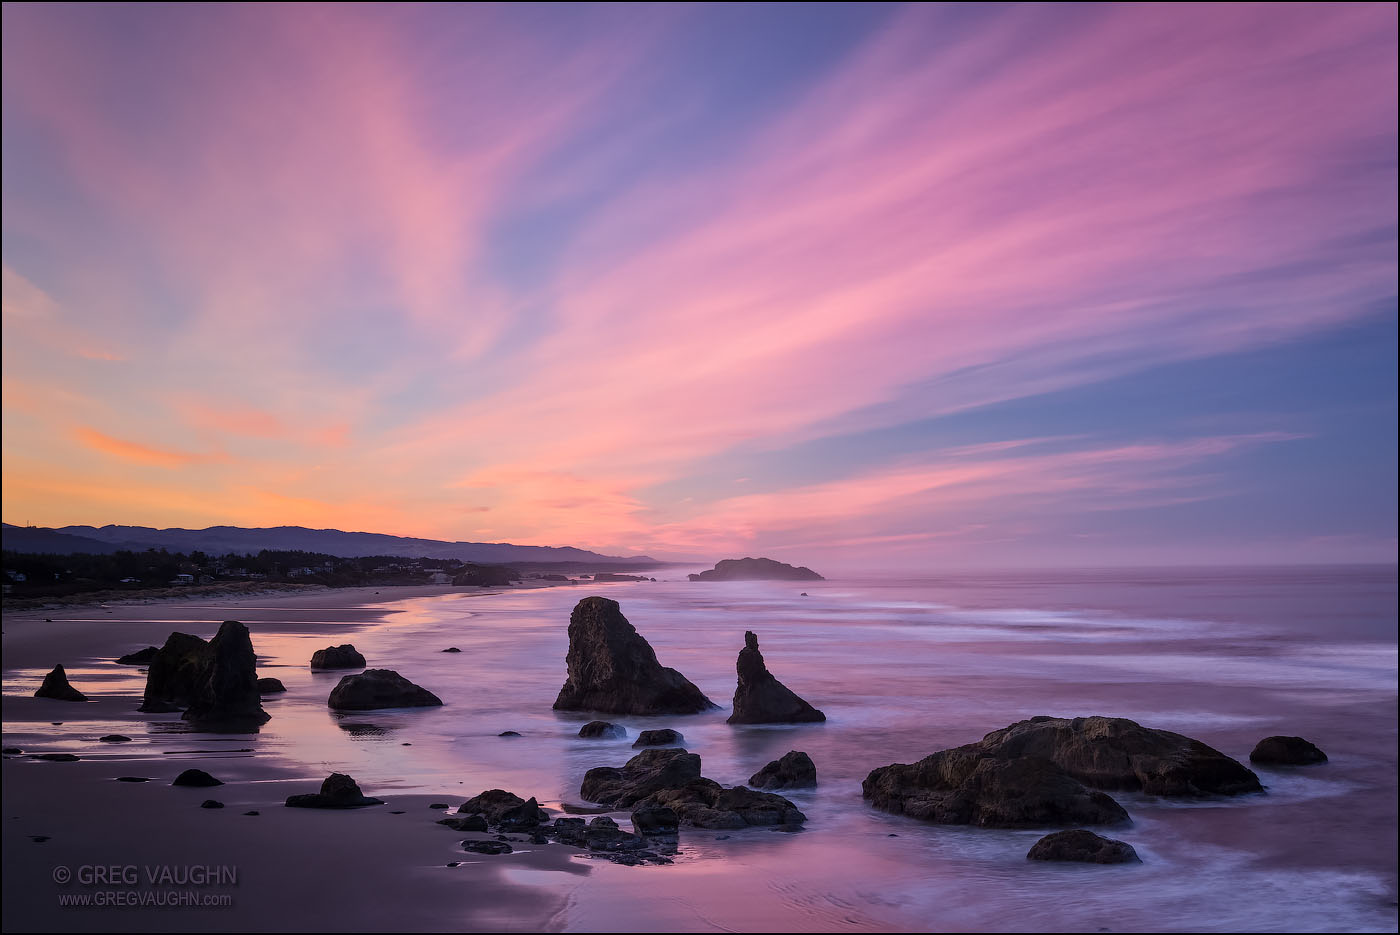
756	569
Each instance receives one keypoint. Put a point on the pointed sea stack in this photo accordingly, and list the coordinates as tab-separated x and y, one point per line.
612	668
760	698
56	686
228	691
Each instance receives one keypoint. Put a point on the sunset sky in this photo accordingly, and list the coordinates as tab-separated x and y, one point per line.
841	285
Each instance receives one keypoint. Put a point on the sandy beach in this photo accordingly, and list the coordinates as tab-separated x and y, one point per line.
91	820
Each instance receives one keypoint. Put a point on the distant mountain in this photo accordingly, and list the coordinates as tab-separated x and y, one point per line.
756	569
218	540
36	539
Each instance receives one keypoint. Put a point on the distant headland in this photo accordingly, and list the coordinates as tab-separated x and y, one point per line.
756	569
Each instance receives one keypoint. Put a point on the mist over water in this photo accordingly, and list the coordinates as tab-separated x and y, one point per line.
902	668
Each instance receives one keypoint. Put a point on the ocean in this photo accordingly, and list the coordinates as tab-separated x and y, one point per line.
903	667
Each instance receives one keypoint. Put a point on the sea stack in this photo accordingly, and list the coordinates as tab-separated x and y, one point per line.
760	698
56	686
227	693
613	669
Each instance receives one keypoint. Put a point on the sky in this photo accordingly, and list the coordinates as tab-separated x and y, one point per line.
851	286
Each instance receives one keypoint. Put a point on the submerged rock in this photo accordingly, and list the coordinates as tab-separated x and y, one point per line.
270	686
142	657
1084	846
665	737
114	738
196	777
379	688
756	569
1286	751
344	656
211	803
602	729
451	649
56	686
486	847
795	770
760	698
337	791
612	668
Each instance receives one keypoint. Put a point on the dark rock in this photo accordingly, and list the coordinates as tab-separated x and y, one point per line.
1084	846
253	813
572	809
1286	751
706	804
114	738
175	673
612	668
603	834
142	657
647	772
756	569
1115	753
655	821
337	791
665	737
760	698
227	691
602	729
55	757
505	811
379	688
464	822
966	786
344	656
486	847
11	751
452	649
795	770
211	803
803	594
38	838
613	576
670	778
215	681
133	779
509	733
56	686
270	686
439	805
196	777
571	831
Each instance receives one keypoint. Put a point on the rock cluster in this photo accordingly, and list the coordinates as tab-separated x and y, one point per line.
216	683
670	778
1046	771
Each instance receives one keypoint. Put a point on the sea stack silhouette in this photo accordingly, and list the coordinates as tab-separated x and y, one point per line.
760	698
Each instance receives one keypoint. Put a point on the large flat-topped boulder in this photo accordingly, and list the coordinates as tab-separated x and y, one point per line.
1116	753
759	698
613	669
